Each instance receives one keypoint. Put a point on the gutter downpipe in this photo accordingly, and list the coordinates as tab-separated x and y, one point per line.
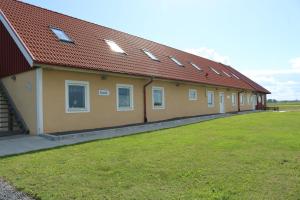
239	101
145	102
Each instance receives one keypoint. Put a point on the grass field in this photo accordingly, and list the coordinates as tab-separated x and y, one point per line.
253	156
289	106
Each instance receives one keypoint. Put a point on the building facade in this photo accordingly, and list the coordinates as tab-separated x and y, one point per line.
59	79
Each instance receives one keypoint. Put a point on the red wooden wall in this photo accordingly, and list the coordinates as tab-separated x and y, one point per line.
12	60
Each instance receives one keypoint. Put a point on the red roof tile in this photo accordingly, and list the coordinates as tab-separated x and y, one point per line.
89	50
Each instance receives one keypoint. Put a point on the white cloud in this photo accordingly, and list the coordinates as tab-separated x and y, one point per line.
284	84
209	54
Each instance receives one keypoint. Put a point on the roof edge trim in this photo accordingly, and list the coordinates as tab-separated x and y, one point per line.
21	45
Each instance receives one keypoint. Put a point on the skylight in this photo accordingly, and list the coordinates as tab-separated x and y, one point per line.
148	53
176	61
226	74
196	66
235	76
114	47
61	35
215	71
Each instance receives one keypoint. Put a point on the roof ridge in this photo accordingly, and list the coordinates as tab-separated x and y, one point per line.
76	18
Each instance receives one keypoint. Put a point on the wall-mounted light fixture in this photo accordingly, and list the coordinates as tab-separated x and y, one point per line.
103	77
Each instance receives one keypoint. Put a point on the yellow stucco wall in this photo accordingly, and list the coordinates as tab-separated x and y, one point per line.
22	91
177	103
103	109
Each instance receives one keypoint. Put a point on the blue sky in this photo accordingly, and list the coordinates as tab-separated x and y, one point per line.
259	37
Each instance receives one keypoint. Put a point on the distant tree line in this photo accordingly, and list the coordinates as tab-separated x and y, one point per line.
285	101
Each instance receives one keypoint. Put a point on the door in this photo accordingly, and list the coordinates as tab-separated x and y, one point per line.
222	104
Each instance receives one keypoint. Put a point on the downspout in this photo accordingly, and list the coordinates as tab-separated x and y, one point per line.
145	101
239	102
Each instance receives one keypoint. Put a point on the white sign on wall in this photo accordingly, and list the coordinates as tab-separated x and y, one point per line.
103	92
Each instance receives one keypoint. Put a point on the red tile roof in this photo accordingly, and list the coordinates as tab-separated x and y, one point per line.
89	50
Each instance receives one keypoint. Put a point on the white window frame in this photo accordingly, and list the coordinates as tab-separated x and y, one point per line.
114	47
196	95
196	66
163	98
233	99
150	54
235	76
127	86
87	96
242	100
214	70
176	61
248	99
226	74
213	99
65	37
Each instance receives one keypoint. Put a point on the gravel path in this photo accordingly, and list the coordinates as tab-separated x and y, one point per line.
8	192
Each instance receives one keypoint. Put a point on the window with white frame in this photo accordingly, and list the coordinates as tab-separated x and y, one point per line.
226	73
176	61
210	98
196	66
235	76
193	96
259	99
77	96
233	99
213	69
248	99
158	98
150	55
61	35
124	97
242	99
114	47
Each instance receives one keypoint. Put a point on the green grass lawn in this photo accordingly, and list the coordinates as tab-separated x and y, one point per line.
289	106
253	156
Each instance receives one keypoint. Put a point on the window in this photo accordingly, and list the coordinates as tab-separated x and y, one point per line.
158	98
233	99
114	47
148	53
193	95
77	96
253	99
259	99
248	99
196	66
61	35
242	99
235	76
226	74
124	97
176	61
215	71
210	99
